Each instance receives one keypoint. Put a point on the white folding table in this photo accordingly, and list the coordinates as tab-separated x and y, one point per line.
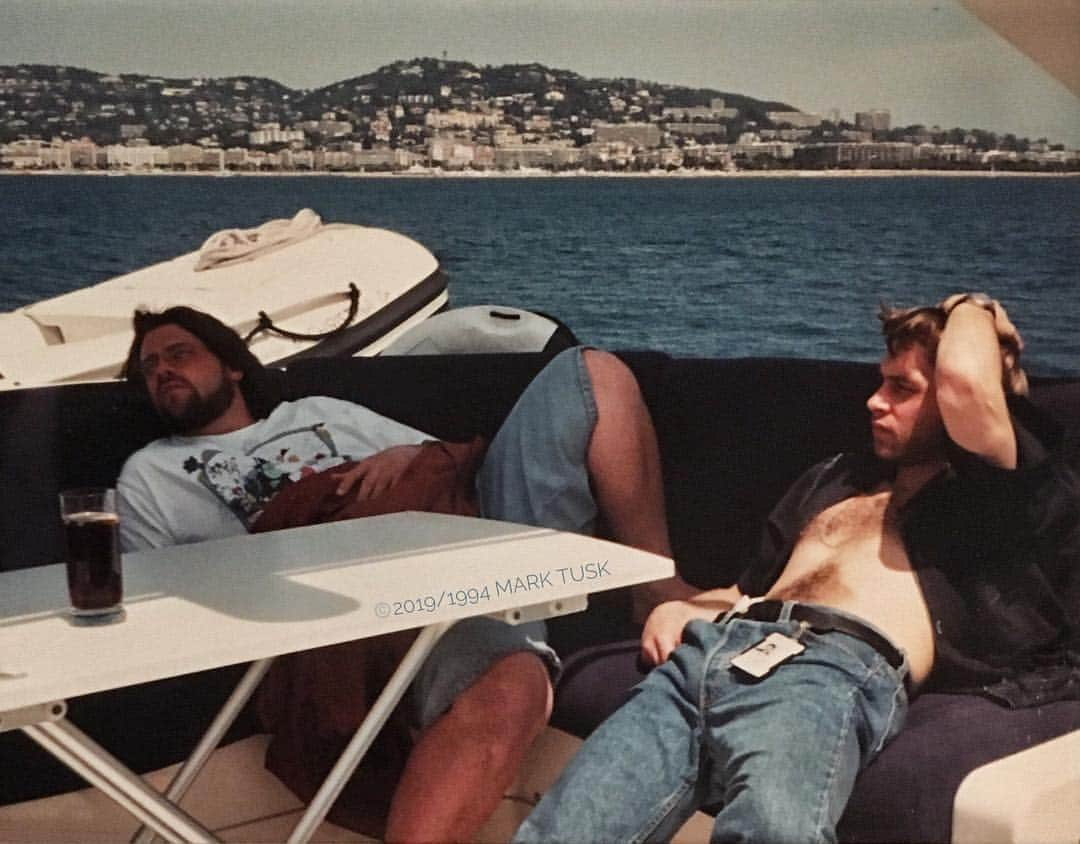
251	598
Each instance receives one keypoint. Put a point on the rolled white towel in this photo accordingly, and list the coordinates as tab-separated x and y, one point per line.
231	245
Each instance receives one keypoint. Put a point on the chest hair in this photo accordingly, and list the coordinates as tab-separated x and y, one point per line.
860	517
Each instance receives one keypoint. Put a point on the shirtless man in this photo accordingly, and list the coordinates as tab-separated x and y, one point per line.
769	708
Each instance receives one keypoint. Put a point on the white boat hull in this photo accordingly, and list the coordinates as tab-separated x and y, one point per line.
302	287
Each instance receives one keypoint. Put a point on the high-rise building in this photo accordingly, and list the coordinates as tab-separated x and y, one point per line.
875	120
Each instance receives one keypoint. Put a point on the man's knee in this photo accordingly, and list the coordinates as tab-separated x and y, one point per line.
609	375
512	700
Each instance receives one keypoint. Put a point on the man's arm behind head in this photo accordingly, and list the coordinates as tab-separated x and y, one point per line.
977	362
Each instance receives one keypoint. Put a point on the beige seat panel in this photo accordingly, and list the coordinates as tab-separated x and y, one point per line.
235	796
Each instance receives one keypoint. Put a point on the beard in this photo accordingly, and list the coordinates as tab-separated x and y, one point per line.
916	450
198	411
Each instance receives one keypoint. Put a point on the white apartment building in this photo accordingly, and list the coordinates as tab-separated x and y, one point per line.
460	119
695	130
776	149
945	152
785	134
451	152
660	158
716	111
536	155
635	134
381	158
236	158
30	155
333	159
84	153
185	156
135	157
714	155
797	119
327	128
617	153
272	133
258	159
214	158
297	159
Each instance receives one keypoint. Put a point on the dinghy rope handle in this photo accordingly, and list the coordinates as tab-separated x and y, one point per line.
267	324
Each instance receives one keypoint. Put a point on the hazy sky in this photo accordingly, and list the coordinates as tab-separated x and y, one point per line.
927	61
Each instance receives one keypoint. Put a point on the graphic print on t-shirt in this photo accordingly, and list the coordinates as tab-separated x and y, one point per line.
245	482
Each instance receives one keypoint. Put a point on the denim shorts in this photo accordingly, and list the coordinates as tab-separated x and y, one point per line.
534	473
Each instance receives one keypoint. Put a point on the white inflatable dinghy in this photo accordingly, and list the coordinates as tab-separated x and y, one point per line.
297	287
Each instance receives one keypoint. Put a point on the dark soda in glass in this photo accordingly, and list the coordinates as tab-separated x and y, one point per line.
93	561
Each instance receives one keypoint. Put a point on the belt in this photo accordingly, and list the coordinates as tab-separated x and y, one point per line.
824	620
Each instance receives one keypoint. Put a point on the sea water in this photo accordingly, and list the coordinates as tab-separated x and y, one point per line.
691	266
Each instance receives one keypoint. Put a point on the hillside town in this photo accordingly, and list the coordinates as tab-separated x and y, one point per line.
431	115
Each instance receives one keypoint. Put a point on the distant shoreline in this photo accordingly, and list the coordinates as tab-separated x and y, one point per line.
543	174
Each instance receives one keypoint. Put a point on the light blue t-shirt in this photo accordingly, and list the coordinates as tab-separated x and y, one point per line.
189	489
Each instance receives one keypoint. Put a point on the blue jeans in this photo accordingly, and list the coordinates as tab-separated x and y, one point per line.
778	756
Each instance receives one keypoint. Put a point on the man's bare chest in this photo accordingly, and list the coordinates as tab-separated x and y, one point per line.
853	520
847	546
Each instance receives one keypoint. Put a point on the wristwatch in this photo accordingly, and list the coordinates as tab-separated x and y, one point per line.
980	299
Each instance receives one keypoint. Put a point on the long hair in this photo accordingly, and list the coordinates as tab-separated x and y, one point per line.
220	339
905	327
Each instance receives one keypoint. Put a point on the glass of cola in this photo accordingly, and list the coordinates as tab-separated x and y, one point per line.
91	537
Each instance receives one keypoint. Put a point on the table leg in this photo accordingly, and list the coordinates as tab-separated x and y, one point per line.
337	778
83	755
210	739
